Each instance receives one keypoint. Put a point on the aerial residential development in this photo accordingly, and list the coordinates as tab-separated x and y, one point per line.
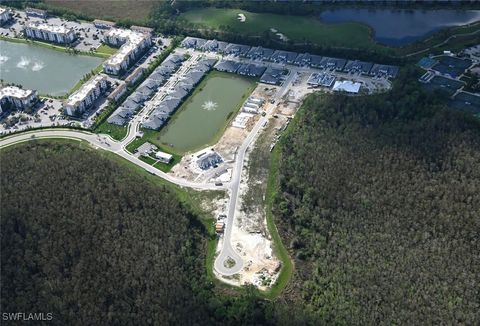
240	163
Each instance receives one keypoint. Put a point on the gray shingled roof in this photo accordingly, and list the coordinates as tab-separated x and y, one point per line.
260	52
153	122
251	70
179	93
116	119
335	63
238	49
357	65
227	65
284	56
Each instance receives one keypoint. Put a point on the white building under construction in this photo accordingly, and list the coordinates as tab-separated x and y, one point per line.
132	44
17	97
82	99
50	33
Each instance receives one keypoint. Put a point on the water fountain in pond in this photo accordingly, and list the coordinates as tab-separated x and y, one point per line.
209	106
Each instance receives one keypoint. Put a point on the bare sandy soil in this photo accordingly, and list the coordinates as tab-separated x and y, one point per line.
250	236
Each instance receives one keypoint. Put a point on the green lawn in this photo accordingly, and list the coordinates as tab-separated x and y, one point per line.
103	48
149	136
296	28
279	249
116	132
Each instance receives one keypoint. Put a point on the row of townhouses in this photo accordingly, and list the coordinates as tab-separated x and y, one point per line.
17	97
132	44
51	33
259	54
82	99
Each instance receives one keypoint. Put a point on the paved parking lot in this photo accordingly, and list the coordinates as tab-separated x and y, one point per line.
89	36
47	112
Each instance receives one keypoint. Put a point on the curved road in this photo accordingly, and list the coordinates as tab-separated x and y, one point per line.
119	147
105	143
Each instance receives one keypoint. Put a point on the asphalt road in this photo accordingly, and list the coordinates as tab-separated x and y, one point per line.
105	142
227	250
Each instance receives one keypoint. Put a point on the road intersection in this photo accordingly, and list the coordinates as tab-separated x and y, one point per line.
105	142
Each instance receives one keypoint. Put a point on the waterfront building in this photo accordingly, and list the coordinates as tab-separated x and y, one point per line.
5	15
132	44
51	33
17	97
164	157
82	99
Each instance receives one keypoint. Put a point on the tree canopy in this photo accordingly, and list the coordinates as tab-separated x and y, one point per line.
379	204
91	242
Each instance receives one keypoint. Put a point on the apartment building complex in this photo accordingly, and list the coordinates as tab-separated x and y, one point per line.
5	15
82	99
132	44
51	33
17	97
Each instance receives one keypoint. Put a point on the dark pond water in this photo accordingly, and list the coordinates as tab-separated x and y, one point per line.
400	27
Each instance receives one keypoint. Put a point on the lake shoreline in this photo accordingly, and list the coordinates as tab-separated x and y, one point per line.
412	29
53	74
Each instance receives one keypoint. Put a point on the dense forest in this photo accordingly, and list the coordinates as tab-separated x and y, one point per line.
84	238
379	205
377	202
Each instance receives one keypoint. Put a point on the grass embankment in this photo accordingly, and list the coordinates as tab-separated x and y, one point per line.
54	47
106	49
271	193
296	28
84	79
155	136
115	131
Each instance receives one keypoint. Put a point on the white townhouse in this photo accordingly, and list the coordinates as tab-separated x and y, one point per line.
82	99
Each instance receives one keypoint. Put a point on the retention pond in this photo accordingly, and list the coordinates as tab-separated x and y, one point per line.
48	71
204	115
